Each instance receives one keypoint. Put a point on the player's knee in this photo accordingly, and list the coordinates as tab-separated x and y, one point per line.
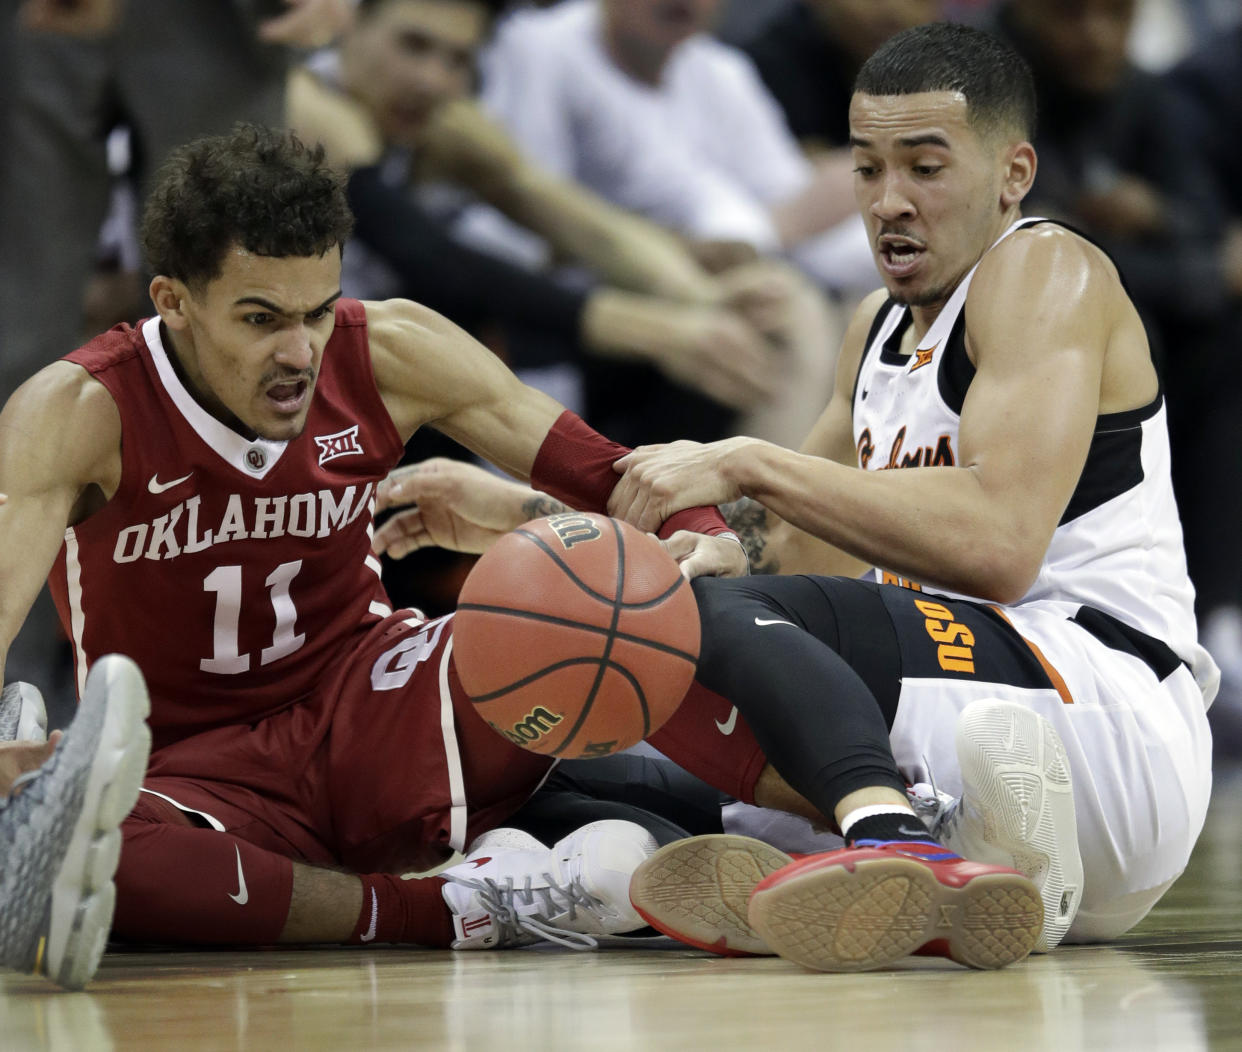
721	615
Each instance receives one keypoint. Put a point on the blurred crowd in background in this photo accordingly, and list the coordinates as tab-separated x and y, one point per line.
644	206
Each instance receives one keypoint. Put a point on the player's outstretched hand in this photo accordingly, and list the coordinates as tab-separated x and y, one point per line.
702	555
451	504
657	481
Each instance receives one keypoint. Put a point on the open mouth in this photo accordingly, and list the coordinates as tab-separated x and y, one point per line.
289	395
900	255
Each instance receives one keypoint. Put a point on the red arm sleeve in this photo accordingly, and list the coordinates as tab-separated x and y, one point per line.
574	464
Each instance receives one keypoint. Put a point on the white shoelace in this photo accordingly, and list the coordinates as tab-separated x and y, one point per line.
500	899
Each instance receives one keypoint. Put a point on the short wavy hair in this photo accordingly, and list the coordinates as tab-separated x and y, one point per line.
256	187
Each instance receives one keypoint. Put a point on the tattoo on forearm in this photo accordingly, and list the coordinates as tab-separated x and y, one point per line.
538	505
750	521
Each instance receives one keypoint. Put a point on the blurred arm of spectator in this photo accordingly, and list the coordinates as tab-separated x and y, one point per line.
1160	214
1129	208
826	201
466	146
711	348
308	23
79	18
322	114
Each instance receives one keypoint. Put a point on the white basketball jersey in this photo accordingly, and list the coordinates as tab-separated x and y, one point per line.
1118	547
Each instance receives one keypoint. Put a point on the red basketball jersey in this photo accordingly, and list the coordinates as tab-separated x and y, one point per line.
233	571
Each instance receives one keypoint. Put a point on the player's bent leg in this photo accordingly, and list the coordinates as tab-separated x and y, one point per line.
61	832
183	884
698	891
512	891
1017	806
871	904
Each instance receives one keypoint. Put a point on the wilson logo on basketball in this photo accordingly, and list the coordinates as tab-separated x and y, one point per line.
572	529
532	728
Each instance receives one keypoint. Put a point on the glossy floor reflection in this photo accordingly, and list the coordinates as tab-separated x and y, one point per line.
1173	983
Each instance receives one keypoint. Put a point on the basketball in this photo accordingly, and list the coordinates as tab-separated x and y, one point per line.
576	635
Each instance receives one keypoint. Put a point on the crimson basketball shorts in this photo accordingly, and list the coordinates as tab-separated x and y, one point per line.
385	768
388	767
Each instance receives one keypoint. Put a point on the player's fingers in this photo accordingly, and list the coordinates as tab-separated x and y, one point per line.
621	500
697	563
681	544
391	492
401	534
411	484
650	515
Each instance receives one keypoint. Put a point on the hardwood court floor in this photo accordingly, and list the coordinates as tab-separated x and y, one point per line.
1173	983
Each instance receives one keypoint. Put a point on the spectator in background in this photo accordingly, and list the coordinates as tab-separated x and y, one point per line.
636	101
809	53
1116	160
405	71
170	71
1112	160
1208	111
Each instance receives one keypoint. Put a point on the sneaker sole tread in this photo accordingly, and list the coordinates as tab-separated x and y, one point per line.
697	891
1018	772
876	912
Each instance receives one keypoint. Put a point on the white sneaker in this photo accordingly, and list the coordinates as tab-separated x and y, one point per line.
1017	806
23	716
512	891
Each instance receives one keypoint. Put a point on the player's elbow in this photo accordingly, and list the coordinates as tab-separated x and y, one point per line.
1005	570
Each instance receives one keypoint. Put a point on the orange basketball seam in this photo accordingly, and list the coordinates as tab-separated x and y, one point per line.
609	640
547	549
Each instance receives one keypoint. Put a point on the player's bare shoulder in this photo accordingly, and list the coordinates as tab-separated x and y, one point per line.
1045	264
1046	290
402	332
425	366
33	431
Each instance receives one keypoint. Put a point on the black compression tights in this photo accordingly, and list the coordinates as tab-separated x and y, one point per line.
822	724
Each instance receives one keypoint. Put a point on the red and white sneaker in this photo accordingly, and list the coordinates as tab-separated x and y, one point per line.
875	902
697	891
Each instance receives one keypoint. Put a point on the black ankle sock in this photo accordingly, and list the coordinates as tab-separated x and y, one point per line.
889	826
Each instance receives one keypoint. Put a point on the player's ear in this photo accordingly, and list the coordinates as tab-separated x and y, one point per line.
1019	174
169	296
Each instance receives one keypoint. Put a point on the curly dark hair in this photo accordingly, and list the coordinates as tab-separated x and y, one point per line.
944	56
256	187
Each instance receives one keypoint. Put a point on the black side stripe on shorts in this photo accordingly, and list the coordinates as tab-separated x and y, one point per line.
1154	653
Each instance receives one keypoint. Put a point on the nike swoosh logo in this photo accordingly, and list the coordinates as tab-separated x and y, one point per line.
243	893
1011	735
726	728
921	831
156	486
369	934
477	862
761	622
